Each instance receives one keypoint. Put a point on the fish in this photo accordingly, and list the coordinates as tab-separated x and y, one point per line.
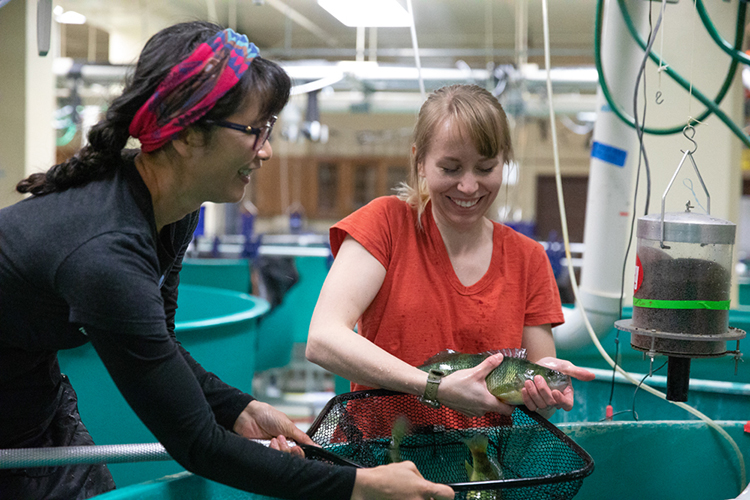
398	431
504	382
485	468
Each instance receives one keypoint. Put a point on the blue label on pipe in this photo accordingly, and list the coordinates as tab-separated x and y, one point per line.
610	154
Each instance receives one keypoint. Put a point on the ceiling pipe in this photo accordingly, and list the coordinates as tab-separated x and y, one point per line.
408	53
313	76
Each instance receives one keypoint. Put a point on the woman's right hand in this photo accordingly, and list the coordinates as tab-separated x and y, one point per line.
466	390
399	481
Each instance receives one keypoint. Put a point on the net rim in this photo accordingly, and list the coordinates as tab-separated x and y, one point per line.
571	476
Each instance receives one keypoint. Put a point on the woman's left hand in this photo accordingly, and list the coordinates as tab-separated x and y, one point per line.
262	421
538	396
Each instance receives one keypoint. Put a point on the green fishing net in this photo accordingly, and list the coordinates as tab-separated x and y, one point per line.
537	460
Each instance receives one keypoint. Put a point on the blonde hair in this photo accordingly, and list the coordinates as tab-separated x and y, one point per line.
473	111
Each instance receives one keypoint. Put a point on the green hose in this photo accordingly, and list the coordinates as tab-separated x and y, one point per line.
736	51
70	133
711	105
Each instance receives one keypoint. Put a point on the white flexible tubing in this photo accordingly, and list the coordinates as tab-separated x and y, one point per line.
415	46
573	281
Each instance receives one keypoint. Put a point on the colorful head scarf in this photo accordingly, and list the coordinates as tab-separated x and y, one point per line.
192	88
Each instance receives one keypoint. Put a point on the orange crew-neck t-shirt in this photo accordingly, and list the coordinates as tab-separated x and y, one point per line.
422	308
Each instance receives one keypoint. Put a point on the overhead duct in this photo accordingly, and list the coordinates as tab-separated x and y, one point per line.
314	75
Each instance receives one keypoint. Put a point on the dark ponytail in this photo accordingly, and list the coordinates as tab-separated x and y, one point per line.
264	80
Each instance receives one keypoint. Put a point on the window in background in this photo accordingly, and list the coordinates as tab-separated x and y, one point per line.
365	185
396	175
328	182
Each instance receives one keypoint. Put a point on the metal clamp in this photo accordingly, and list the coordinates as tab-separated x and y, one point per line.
695	167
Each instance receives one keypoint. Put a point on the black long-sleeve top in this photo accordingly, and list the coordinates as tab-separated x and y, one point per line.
86	264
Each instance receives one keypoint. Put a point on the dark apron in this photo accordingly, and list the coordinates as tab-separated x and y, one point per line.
69	482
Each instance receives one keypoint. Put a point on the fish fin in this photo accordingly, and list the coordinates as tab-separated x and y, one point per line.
398	431
477	443
449	355
511	397
519	353
469	469
508	353
440	357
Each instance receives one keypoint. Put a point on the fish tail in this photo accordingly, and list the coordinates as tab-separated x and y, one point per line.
398	432
477	444
469	469
484	467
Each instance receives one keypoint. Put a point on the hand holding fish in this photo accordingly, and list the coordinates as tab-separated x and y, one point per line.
262	421
508	376
400	481
466	390
537	395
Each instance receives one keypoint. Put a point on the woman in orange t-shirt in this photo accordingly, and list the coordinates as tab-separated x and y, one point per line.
428	271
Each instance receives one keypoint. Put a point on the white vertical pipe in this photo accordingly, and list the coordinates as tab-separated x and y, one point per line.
609	205
360	43
415	45
522	33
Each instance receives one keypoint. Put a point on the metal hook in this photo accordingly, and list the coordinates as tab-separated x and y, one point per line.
690	137
659	98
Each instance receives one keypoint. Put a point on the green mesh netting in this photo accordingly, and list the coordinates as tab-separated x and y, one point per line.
537	460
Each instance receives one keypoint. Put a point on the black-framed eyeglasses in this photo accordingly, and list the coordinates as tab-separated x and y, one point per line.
261	133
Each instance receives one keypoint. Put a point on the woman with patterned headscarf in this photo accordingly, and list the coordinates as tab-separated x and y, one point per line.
94	256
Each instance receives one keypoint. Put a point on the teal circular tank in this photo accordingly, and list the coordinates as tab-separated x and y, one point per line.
643	460
220	330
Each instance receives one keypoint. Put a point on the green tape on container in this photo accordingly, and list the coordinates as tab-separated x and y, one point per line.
718	305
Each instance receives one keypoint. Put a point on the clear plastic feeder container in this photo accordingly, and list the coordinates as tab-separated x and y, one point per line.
683	273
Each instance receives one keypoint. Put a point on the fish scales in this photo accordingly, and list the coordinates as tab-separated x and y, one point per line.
506	381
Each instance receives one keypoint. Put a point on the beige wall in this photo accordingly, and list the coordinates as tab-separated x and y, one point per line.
26	99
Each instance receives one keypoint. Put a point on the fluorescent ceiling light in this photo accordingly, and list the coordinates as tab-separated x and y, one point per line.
368	13
69	17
